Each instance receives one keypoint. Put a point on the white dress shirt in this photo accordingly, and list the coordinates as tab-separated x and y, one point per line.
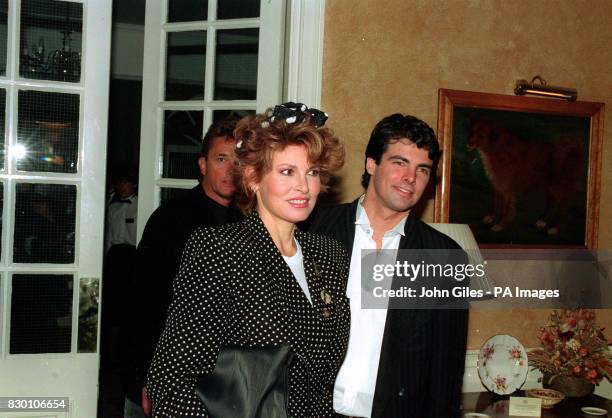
356	381
121	222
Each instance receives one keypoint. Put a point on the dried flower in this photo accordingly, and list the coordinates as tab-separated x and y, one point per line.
573	345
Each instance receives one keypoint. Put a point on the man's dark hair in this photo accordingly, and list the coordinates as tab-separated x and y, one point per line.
223	127
395	127
123	172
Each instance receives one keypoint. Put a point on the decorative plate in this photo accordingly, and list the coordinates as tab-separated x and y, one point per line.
502	364
591	410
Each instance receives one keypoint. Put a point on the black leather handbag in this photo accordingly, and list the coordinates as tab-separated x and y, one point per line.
248	383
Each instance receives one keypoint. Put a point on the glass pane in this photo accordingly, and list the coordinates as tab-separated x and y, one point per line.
2	117
47	132
182	143
3	35
187	10
41	314
89	300
222	114
236	9
185	64
236	64
167	193
51	39
44	223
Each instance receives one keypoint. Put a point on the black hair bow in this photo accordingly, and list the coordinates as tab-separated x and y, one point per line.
295	112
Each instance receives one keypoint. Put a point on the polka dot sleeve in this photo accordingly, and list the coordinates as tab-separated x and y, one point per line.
194	332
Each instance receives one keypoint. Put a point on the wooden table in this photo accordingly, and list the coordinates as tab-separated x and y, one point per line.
497	406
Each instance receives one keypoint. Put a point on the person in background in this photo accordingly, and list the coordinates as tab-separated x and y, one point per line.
400	363
159	252
122	210
262	282
120	250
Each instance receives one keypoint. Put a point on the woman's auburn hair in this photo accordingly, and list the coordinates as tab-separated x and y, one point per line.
253	157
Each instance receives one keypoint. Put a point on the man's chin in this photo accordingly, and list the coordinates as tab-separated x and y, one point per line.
226	194
403	205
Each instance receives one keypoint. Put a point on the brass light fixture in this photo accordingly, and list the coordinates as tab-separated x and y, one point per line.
539	87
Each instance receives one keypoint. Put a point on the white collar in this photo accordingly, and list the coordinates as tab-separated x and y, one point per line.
362	219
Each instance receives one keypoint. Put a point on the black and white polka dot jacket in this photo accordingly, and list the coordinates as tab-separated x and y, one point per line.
234	288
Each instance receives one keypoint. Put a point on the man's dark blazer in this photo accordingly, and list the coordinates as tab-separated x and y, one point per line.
422	359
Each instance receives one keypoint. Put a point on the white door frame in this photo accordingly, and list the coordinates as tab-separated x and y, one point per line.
304	51
73	375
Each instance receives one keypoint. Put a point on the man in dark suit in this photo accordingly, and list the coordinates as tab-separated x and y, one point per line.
400	362
159	253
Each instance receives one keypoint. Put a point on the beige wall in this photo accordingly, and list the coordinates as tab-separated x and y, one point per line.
388	56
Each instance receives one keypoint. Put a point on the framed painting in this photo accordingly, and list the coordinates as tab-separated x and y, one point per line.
521	172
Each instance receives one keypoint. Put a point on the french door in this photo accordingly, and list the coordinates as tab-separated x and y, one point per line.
54	72
202	61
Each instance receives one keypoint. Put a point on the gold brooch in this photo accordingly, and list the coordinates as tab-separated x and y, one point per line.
326	313
317	268
327	299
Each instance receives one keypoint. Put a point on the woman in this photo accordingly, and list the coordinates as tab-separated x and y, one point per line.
262	282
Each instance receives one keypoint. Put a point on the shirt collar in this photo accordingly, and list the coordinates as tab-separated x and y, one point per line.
118	199
362	220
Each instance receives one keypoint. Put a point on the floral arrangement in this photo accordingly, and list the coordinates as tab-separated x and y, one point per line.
573	345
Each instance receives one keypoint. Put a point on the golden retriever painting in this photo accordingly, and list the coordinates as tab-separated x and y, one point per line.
517	167
522	173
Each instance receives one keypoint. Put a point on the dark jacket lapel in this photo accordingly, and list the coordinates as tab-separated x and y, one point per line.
316	280
312	269
335	221
348	225
411	239
276	269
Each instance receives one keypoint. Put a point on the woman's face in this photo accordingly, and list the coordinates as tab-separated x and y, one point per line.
288	192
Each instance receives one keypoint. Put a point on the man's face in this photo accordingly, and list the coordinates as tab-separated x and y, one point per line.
216	170
125	188
398	182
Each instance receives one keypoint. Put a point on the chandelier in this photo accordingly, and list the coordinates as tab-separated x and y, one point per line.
61	64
